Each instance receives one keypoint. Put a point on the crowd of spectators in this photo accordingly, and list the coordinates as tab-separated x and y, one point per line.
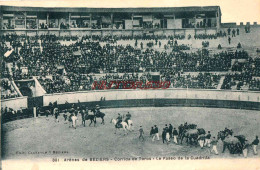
107	38
7	90
44	56
237	81
200	81
254	84
205	36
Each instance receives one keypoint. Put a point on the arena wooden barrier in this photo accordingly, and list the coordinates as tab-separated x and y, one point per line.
15	103
162	97
190	97
137	98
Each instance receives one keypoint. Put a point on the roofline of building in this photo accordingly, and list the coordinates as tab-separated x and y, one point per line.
105	10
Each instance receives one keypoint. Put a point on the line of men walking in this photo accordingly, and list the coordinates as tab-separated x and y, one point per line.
204	140
167	134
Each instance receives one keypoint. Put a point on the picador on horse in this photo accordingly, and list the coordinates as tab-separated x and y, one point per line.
98	114
128	117
119	120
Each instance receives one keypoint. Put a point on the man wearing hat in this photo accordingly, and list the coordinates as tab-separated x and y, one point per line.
255	143
201	140
90	112
141	133
65	115
128	117
175	134
167	137
74	119
245	148
164	135
214	143
170	130
119	119
97	107
56	113
181	128
83	112
156	133
152	132
207	139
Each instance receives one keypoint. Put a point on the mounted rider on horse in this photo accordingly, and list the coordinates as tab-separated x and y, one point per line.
128	117
119	120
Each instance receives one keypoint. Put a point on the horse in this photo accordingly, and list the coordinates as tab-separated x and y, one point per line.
224	133
233	143
192	135
99	114
122	125
130	125
91	118
221	135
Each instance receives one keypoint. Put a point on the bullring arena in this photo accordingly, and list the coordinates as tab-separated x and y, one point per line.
52	60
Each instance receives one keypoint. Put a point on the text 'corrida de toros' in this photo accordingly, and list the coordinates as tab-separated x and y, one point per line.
103	85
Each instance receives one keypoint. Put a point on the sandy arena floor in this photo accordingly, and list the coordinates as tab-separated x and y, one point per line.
22	138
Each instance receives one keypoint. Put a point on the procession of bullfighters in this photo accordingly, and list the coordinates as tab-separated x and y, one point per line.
76	115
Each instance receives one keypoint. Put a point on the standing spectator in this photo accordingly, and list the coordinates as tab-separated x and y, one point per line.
229	40
156	133
224	34
142	45
175	42
239	45
255	144
237	31
233	33
214	143
229	30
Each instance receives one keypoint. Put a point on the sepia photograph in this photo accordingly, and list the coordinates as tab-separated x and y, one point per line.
146	84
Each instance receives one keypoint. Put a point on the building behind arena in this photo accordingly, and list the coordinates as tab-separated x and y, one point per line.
102	21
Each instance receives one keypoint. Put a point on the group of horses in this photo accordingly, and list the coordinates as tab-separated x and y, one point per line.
233	143
92	117
191	133
126	125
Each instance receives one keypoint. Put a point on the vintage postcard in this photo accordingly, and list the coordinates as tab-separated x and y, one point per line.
171	84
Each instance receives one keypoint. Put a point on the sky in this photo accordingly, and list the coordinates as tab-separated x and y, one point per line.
232	10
